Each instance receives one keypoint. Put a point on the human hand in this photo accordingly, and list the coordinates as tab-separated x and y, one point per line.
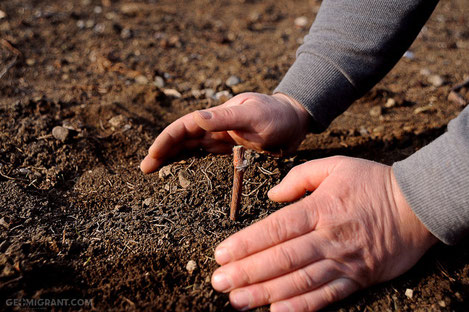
257	121
355	230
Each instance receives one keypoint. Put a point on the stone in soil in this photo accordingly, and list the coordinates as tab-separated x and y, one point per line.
301	22
117	121
436	80
223	96
376	111
159	82
183	177
409	293
232	81
164	171
147	202
60	133
141	80
191	266
172	93
390	103
423	109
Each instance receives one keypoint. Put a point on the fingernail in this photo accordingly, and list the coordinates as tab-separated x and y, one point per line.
281	307
220	282
241	300
222	255
205	114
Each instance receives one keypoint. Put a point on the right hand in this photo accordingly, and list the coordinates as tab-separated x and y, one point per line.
272	123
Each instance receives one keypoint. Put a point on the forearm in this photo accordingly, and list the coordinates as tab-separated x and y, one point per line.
435	182
350	47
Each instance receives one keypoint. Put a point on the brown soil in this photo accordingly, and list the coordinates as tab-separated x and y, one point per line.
77	217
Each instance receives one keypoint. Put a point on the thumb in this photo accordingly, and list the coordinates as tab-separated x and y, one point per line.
302	178
229	116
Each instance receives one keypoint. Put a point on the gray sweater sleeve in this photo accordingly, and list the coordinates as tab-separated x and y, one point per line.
435	182
351	45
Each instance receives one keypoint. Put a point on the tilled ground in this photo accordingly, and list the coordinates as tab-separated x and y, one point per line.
77	217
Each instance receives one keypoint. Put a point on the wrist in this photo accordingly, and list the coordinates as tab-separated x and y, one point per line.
304	117
412	228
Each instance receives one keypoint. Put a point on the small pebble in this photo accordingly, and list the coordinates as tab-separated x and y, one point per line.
164	171
81	24
442	303
212	83
409	55
363	131
436	80
183	177
117	121
232	81
99	28
172	93
30	62
197	93
89	24
126	33
209	93
2	14
191	266
301	21
24	171
147	202
390	103
376	111
159	82
60	133
423	109
378	130
98	10
409	293
425	72
223	96
141	80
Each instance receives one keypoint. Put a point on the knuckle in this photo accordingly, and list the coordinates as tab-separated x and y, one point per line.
267	295
330	293
303	280
306	304
277	230
227	112
244	276
295	170
286	258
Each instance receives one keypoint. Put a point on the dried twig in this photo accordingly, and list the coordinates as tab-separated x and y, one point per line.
463	84
239	166
454	95
10	64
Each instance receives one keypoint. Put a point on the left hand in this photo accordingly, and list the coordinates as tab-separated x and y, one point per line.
355	230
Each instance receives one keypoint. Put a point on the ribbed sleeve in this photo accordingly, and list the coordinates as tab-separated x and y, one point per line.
350	47
435	182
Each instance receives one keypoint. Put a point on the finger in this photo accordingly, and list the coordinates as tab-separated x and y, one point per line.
302	178
209	144
287	286
168	143
312	301
270	263
287	223
228	117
